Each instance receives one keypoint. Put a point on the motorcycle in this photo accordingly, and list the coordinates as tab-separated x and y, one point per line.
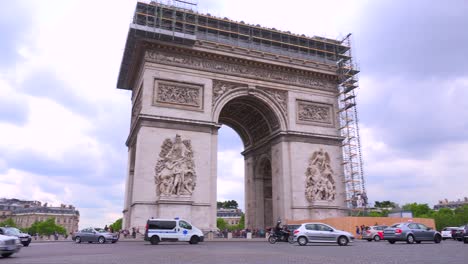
280	236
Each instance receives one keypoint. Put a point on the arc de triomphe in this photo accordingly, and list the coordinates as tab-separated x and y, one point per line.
190	73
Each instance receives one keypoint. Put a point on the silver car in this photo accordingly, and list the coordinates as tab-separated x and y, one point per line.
411	232
9	245
321	233
91	235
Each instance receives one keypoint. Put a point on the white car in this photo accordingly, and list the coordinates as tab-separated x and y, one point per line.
9	245
172	230
448	232
321	233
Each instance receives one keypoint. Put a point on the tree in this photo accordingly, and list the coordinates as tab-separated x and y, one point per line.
385	204
8	222
221	224
419	210
47	227
117	225
230	204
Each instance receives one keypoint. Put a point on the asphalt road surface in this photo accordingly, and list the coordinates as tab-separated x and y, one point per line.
239	252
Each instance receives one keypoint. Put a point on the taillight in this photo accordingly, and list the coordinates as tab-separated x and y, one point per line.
368	231
296	232
398	231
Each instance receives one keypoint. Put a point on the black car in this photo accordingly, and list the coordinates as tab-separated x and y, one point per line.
460	232
12	231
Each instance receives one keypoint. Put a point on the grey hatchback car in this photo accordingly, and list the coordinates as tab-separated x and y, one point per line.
411	232
321	233
91	235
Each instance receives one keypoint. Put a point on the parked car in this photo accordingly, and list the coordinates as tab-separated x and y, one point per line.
321	233
459	232
465	235
12	231
9	245
448	232
411	232
373	233
91	235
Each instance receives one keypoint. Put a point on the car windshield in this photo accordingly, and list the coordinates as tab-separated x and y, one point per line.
11	231
100	230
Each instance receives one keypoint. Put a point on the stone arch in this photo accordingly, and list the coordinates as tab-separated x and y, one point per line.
251	113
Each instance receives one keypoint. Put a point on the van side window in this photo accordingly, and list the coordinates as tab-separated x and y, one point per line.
167	225
185	225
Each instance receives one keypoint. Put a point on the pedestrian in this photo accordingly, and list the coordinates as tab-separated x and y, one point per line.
106	228
357	231
133	232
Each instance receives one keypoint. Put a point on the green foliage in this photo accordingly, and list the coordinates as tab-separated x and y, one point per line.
419	210
117	225
231	204
385	204
8	222
221	224
47	227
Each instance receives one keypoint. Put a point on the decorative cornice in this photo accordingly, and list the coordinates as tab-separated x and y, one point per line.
239	67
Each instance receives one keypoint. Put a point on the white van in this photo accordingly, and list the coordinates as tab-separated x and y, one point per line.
172	230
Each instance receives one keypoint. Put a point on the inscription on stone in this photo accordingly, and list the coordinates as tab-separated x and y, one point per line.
314	112
178	94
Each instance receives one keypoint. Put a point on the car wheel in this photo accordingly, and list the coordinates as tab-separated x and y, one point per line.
391	241
78	240
194	240
302	241
465	240
101	240
6	255
154	240
377	238
26	244
342	241
272	239
437	239
410	239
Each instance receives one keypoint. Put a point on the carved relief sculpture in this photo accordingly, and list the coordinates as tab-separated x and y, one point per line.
281	97
222	87
174	93
175	168
314	112
320	185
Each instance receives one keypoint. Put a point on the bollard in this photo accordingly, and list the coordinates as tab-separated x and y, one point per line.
229	235
249	235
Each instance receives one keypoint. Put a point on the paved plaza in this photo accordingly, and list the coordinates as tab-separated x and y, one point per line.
239	252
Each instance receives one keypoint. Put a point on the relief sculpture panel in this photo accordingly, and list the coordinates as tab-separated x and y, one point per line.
175	168
320	185
315	113
175	94
222	87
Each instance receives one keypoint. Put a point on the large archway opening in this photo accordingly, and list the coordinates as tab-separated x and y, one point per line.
255	122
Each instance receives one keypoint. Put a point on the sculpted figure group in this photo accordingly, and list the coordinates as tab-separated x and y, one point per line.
319	178
175	169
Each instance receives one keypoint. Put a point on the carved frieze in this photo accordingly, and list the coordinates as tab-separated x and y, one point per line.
175	168
176	94
315	113
240	68
136	108
280	96
222	87
320	183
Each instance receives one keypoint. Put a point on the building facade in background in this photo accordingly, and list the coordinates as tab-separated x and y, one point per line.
230	216
26	213
451	204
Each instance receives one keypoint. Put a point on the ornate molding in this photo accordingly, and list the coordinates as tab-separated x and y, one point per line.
136	108
241	68
175	168
280	96
177	94
320	185
222	87
315	113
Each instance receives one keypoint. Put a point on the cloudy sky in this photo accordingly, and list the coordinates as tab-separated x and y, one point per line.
63	123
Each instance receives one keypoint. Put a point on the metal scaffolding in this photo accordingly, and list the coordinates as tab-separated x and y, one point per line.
347	71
